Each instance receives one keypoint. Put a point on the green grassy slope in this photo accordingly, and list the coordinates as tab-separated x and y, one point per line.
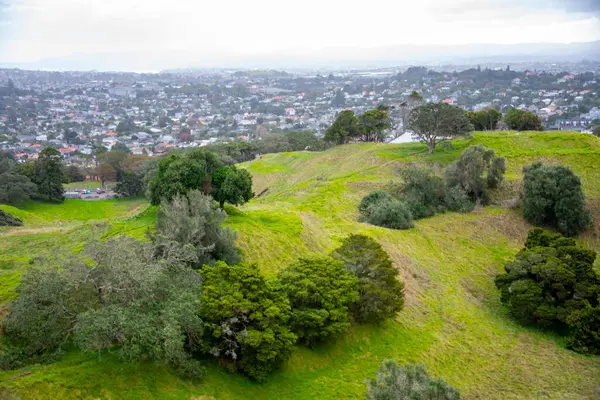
453	321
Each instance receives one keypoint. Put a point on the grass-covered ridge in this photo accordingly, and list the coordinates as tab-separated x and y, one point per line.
453	321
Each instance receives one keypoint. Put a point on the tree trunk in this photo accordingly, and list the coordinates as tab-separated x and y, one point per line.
431	146
222	204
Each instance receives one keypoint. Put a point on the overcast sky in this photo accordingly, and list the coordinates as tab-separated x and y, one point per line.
33	30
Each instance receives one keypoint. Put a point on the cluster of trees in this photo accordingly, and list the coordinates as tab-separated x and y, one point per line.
237	152
408	382
484	120
39	179
520	120
200	169
371	126
467	182
552	196
552	283
184	295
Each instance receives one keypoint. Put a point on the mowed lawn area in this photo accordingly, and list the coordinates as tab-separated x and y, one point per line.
453	321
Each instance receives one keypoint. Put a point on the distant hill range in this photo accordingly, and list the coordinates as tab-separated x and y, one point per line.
339	57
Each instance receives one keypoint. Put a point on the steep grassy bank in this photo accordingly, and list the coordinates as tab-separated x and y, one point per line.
453	321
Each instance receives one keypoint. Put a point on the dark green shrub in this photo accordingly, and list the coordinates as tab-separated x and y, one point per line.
320	291
245	319
552	283
380	293
422	191
391	214
552	195
373	197
407	383
585	330
7	219
456	199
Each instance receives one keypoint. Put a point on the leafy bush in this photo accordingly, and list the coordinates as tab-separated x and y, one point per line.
380	293
456	199
373	197
7	219
552	283
320	291
422	191
585	330
114	295
195	222
477	170
391	214
552	195
246	319
407	383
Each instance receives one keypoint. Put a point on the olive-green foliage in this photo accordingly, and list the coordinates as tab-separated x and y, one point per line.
408	383
422	191
130	184
596	130
320	291
49	175
114	295
484	120
520	120
231	185
178	174
550	279
552	195
74	174
477	170
391	214
195	222
246	319
434	122
373	124
372	198
7	219
15	188
380	293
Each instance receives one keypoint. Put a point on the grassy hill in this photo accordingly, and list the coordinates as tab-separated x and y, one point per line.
453	321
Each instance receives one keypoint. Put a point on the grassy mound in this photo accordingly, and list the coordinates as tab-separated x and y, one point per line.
453	321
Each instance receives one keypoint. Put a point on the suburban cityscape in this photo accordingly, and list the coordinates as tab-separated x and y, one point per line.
149	114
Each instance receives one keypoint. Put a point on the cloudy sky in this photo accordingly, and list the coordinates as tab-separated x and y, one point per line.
194	31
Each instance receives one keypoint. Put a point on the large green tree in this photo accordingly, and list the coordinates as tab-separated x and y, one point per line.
552	195
231	185
49	175
114	296
484	120
552	283
245	319
178	174
321	291
15	188
344	128
434	122
380	293
520	120
373	124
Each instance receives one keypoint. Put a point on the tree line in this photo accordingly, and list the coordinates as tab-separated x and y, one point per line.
184	295
430	123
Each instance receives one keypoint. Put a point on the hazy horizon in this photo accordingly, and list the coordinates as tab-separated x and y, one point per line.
154	35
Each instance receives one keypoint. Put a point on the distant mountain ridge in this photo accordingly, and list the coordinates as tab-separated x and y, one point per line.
335	57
